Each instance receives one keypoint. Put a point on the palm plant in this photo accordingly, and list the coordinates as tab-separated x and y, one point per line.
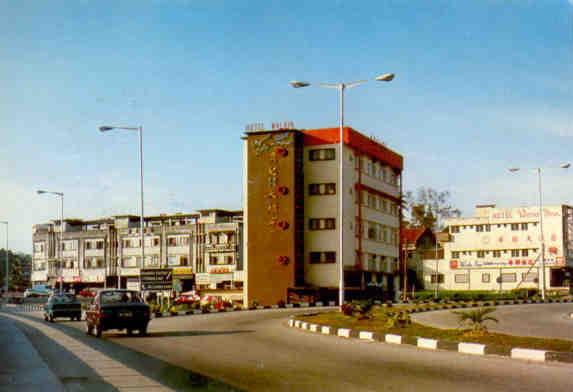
476	319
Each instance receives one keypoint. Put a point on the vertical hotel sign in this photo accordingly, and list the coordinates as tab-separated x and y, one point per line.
568	234
274	146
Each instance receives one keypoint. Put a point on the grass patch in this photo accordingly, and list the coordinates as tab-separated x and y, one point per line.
379	323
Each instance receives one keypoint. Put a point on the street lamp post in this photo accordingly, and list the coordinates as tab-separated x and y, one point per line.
541	236
6	259
140	132
341	87
61	251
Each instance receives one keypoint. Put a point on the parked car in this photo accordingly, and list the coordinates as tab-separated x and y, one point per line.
117	309
62	305
38	291
188	297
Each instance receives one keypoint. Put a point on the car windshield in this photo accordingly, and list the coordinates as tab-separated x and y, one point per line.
64	299
116	297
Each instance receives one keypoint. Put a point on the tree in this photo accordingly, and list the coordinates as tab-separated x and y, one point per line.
476	319
19	265
429	207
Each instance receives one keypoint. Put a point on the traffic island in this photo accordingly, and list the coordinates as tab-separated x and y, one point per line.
381	325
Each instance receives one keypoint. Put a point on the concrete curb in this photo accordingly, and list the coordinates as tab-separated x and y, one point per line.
435	344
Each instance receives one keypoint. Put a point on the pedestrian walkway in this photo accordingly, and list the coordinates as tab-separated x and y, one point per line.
120	376
21	367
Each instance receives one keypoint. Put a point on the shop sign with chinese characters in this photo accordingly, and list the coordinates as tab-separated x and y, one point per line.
489	263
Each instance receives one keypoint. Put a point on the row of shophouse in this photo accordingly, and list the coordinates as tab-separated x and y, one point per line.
497	249
203	251
283	246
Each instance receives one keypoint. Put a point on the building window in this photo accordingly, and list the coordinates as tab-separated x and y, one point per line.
455	229
322	224
508	277
479	228
99	244
437	278
481	254
88	245
322	257
325	154
524	226
156	242
515	253
487	227
184	260
455	255
514	226
496	253
172	260
529	277
322	189
228	259
485	278
524	252
129	262
152	261
461	278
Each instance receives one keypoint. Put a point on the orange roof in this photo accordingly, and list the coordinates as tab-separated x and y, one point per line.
356	140
412	234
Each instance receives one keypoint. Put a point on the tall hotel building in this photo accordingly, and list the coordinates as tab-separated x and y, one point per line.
292	217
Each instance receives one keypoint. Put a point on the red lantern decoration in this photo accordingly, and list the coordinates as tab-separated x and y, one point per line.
282	190
283	260
281	151
283	225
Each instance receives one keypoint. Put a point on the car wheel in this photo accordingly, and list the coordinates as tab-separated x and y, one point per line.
129	332
88	328
45	317
97	331
51	317
143	330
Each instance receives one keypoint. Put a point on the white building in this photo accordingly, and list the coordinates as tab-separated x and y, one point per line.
500	249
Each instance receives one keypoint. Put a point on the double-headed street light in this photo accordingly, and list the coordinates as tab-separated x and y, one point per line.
6	260
341	87
61	259
542	239
140	132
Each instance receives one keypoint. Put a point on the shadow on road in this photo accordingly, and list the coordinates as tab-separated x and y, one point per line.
177	333
175	377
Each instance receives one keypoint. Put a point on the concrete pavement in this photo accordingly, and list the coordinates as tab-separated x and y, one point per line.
21	367
535	320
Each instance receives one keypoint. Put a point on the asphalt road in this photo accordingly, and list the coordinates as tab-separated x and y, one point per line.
539	320
255	351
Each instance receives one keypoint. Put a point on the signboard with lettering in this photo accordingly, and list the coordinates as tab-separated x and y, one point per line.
156	279
516	262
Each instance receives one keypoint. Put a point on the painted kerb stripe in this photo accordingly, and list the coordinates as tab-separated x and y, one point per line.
529	354
431	344
345	333
394	339
471	348
325	330
366	335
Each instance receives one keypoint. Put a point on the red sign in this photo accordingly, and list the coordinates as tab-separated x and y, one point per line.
77	279
453	264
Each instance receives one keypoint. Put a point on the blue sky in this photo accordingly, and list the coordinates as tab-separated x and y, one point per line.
480	86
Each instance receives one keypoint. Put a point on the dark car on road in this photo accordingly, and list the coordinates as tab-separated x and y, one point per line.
117	309
62	305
